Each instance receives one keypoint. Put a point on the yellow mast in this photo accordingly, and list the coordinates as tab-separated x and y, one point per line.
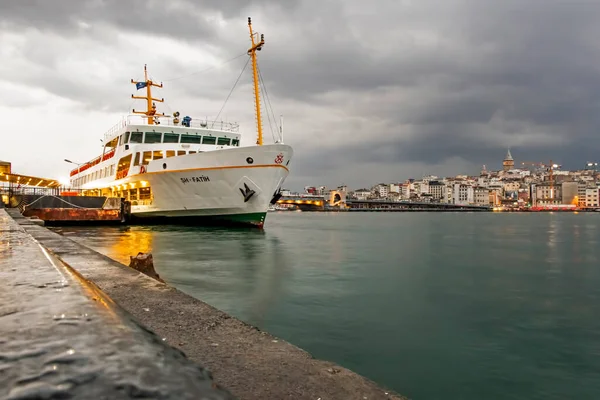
252	53
151	107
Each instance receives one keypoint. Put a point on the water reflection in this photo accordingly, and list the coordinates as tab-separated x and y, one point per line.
269	279
130	242
217	265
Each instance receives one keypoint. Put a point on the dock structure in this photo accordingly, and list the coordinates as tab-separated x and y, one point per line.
62	337
76	324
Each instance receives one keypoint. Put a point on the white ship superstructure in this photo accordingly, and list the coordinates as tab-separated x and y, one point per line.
187	169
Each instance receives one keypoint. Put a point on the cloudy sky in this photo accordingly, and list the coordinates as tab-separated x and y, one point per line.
370	91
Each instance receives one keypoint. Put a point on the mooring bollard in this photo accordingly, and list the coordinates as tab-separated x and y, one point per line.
144	263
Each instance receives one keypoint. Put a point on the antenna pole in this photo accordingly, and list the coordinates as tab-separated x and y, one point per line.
252	53
281	129
150	112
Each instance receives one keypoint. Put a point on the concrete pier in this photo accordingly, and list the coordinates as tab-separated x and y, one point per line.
249	363
61	337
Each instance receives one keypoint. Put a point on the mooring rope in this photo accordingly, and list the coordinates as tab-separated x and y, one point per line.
49	195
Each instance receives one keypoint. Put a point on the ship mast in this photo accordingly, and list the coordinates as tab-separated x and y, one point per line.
252	52
151	107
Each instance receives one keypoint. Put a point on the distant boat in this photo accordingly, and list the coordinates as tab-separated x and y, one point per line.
188	170
282	207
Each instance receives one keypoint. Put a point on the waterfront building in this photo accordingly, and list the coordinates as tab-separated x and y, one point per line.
463	194
547	194
570	193
380	191
481	196
362	194
405	191
591	197
436	190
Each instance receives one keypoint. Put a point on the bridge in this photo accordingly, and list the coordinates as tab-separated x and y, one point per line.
338	201
383	205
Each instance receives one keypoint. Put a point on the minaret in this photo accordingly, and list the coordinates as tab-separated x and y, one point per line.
508	162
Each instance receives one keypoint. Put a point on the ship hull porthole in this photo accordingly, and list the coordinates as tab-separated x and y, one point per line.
249	160
164	165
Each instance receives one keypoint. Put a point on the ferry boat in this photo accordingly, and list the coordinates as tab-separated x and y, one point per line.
189	170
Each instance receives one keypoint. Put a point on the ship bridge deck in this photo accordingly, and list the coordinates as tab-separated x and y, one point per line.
193	123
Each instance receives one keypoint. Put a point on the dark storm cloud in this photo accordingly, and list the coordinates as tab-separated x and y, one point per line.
496	74
175	18
430	80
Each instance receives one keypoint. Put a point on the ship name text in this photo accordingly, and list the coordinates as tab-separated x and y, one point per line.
195	179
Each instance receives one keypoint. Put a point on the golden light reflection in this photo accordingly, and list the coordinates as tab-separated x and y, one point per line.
136	240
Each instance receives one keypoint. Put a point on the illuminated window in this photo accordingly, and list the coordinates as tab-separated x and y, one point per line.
145	193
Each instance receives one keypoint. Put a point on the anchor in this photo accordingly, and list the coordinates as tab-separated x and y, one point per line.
276	196
247	193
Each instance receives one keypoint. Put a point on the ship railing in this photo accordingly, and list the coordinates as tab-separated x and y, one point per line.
200	123
109	134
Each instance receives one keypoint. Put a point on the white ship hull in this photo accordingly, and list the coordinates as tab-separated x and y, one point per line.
219	185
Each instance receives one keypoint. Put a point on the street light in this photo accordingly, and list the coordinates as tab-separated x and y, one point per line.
73	162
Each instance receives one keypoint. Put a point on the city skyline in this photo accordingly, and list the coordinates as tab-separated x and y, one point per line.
491	167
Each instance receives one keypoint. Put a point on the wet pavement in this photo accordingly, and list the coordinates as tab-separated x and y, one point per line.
63	338
251	364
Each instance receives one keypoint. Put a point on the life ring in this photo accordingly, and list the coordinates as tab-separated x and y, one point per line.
143	169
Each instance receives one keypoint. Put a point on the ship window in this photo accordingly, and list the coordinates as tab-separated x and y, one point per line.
171	138
186	138
157	155
145	193
126	140
137	159
152	137
192	152
235	142
209	140
170	153
147	158
181	152
113	143
123	167
133	194
223	141
136	137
